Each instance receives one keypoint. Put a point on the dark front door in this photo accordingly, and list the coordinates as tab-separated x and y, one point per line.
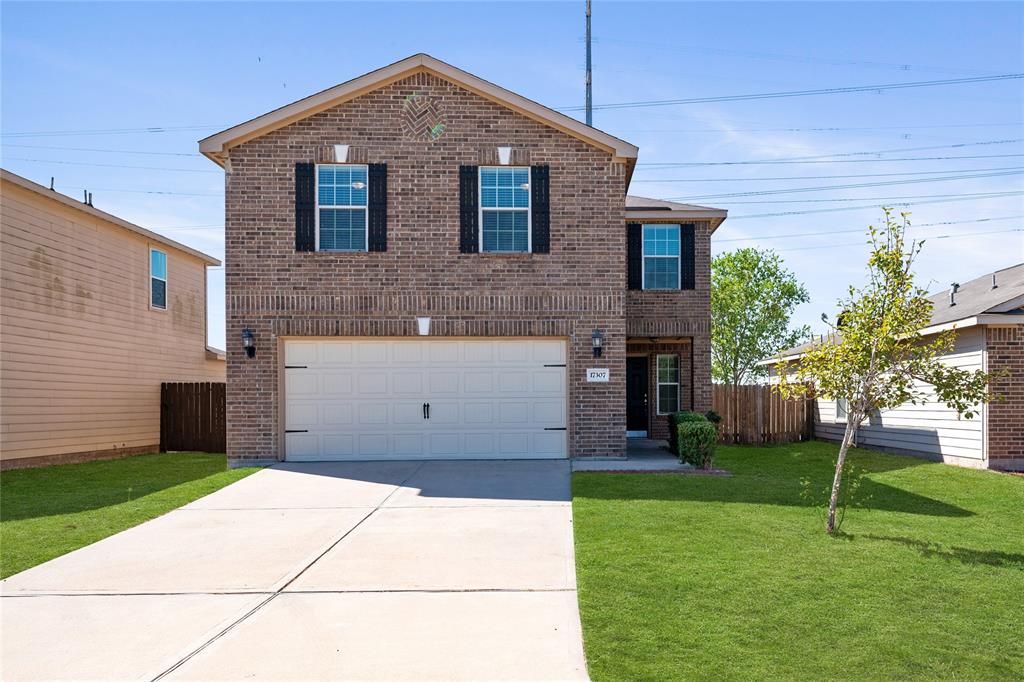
636	393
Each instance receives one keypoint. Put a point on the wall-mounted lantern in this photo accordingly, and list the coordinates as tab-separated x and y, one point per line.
597	340
249	343
423	326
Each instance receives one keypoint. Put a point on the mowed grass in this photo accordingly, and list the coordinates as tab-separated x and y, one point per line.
51	511
692	577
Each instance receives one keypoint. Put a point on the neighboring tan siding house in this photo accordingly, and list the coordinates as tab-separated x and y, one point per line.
83	348
420	191
989	323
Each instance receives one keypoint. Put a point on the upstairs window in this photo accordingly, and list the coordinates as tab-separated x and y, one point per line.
341	197
505	209
661	256
158	279
668	384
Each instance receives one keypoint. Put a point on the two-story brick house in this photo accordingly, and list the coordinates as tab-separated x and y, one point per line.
426	265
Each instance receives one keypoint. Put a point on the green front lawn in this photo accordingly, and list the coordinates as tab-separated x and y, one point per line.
694	577
53	510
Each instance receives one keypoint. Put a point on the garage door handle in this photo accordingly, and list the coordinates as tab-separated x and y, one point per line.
426	410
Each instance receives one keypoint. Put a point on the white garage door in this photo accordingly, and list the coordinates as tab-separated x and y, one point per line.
386	398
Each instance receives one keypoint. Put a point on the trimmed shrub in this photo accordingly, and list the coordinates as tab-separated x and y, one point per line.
695	443
674	420
713	417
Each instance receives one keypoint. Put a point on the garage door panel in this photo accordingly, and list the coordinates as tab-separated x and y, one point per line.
489	398
303	415
446	382
407	383
408	444
304	384
337	413
549	352
302	444
336	353
301	353
337	382
478	413
365	352
373	413
408	413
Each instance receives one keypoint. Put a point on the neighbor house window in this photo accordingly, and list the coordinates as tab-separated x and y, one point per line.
505	209
661	256
842	409
341	207
158	279
668	384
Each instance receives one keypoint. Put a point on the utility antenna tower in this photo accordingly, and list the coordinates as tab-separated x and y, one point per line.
590	112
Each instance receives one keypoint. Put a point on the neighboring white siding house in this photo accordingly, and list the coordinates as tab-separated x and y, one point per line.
929	429
988	316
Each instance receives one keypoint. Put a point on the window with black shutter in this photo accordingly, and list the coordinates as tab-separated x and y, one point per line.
378	207
540	207
305	207
469	206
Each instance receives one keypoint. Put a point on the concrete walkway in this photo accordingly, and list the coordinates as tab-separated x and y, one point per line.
357	571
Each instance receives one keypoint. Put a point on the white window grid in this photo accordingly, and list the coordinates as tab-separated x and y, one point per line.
511	209
365	207
644	257
675	370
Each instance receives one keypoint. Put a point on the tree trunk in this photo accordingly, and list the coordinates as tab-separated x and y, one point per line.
833	501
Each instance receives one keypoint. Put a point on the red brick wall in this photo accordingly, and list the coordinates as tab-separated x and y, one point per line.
1005	349
675	314
277	292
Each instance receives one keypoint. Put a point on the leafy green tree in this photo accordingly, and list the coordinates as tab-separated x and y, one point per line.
752	299
876	358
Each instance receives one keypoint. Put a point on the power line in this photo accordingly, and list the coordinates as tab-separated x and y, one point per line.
800	93
898	150
142	191
819	130
856	208
793	235
108	131
696	164
916	196
93	149
114	165
829	177
776	56
941	236
859	185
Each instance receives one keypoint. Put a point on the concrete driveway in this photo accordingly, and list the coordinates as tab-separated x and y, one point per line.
354	571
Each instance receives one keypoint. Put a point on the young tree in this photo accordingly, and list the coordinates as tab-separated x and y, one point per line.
752	298
875	358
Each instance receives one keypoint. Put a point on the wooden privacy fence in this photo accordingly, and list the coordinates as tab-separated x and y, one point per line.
752	415
192	417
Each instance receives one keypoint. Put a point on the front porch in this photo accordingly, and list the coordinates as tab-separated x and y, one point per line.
642	454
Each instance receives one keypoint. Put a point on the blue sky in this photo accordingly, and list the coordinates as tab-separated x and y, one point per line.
190	69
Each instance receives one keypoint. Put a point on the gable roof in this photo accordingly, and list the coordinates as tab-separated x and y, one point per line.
973	299
216	146
53	195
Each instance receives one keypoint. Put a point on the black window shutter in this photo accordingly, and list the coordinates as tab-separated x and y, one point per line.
540	204
469	204
305	207
377	204
687	264
634	255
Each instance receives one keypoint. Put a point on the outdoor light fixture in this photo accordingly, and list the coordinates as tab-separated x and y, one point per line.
423	326
247	343
597	339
